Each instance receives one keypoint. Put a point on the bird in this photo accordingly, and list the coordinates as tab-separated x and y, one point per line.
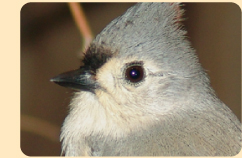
141	91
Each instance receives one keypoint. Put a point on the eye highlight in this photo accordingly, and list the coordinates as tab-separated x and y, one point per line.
134	72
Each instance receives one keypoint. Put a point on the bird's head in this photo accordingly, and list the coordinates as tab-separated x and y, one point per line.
140	66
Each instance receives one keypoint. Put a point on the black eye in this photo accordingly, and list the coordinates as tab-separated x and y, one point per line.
134	73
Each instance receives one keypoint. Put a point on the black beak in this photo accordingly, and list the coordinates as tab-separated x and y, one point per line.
80	79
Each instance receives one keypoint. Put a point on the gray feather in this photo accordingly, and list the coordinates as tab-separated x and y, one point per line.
172	112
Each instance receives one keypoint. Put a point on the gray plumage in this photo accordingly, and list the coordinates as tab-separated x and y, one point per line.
171	111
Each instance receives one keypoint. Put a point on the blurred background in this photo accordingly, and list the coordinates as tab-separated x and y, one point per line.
51	44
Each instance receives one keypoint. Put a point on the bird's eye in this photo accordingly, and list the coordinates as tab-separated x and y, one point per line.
134	73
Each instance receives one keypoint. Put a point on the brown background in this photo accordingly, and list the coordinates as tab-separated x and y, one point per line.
50	43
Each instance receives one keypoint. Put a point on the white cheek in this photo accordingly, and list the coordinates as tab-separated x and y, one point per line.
105	79
107	75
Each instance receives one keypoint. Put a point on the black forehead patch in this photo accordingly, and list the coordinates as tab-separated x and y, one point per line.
96	56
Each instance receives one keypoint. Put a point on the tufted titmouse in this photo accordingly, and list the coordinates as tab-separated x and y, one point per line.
142	92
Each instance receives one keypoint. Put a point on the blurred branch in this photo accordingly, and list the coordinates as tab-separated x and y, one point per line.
40	127
82	24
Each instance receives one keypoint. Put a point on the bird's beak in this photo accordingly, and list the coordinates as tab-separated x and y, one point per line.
80	79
